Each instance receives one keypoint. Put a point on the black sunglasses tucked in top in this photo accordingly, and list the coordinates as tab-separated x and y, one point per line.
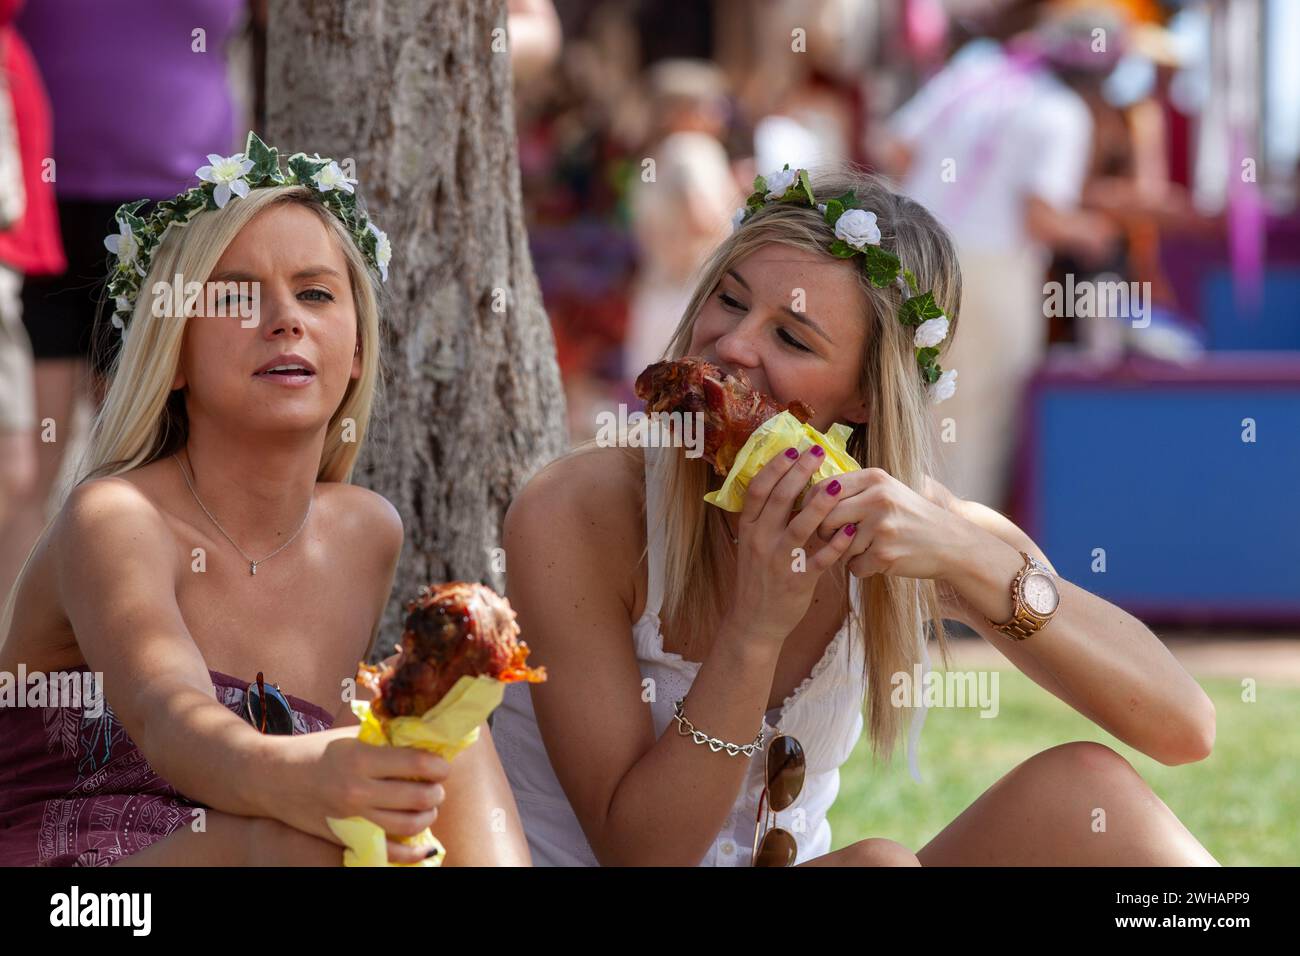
266	708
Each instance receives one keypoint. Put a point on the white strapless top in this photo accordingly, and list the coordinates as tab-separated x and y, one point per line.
824	713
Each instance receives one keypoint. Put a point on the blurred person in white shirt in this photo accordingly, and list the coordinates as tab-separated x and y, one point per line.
997	146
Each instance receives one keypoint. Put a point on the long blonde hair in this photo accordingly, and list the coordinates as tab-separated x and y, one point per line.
899	437
142	420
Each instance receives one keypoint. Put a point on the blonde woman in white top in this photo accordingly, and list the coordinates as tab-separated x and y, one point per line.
636	594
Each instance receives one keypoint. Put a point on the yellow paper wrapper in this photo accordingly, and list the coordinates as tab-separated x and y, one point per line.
446	729
770	439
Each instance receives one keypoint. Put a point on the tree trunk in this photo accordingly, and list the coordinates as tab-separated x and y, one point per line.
418	94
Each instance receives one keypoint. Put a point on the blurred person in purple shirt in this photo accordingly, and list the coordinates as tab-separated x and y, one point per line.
140	95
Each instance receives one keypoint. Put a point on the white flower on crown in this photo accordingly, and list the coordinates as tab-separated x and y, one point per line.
821	208
383	249
945	387
332	177
228	173
779	182
857	228
931	332
737	218
123	244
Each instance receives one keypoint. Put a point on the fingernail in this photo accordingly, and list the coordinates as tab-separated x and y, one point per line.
833	488
432	852
850	529
818	451
791	453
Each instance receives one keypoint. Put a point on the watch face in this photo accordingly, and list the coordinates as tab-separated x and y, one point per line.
1039	592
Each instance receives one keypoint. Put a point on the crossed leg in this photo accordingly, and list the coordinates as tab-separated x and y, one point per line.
1076	804
876	851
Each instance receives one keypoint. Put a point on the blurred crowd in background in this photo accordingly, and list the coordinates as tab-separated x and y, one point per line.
1052	138
1055	138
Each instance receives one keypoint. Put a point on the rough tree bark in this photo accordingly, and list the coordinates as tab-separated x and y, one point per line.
418	93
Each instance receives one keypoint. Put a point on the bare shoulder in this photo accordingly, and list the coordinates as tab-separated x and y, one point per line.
117	516
590	487
112	533
365	540
102	521
108	536
362	514
582	512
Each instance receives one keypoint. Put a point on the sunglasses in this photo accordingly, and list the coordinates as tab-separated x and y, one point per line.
266	708
774	846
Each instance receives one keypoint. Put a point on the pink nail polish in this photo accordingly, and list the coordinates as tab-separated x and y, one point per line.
818	451
791	453
833	488
850	529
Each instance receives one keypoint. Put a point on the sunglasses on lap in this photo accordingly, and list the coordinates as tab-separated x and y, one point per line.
266	708
773	845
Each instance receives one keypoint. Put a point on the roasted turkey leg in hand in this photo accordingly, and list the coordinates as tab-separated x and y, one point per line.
732	409
452	631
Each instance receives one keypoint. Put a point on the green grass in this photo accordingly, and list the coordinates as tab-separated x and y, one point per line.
1242	802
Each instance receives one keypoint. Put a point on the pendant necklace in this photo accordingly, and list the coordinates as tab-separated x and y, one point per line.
252	565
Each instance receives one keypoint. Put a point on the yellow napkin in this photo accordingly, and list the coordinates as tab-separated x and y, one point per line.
770	439
446	729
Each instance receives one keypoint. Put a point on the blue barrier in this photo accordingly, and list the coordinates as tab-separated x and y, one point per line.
1274	323
1147	462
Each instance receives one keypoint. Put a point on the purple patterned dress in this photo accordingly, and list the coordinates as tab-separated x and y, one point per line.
76	791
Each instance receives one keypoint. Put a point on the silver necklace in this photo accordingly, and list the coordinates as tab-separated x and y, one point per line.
252	565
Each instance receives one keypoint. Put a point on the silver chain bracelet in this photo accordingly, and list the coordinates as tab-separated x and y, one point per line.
686	729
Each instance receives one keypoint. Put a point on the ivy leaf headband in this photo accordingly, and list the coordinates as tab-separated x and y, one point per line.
856	234
227	177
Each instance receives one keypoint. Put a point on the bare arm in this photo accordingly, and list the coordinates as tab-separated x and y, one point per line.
1088	235
115	567
574	545
119	594
1095	657
640	801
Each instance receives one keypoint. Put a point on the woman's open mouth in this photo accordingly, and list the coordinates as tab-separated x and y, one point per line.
287	369
287	376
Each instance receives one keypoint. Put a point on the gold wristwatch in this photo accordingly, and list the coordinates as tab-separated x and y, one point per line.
1036	599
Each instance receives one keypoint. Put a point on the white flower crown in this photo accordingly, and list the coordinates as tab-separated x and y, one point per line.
856	233
258	166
